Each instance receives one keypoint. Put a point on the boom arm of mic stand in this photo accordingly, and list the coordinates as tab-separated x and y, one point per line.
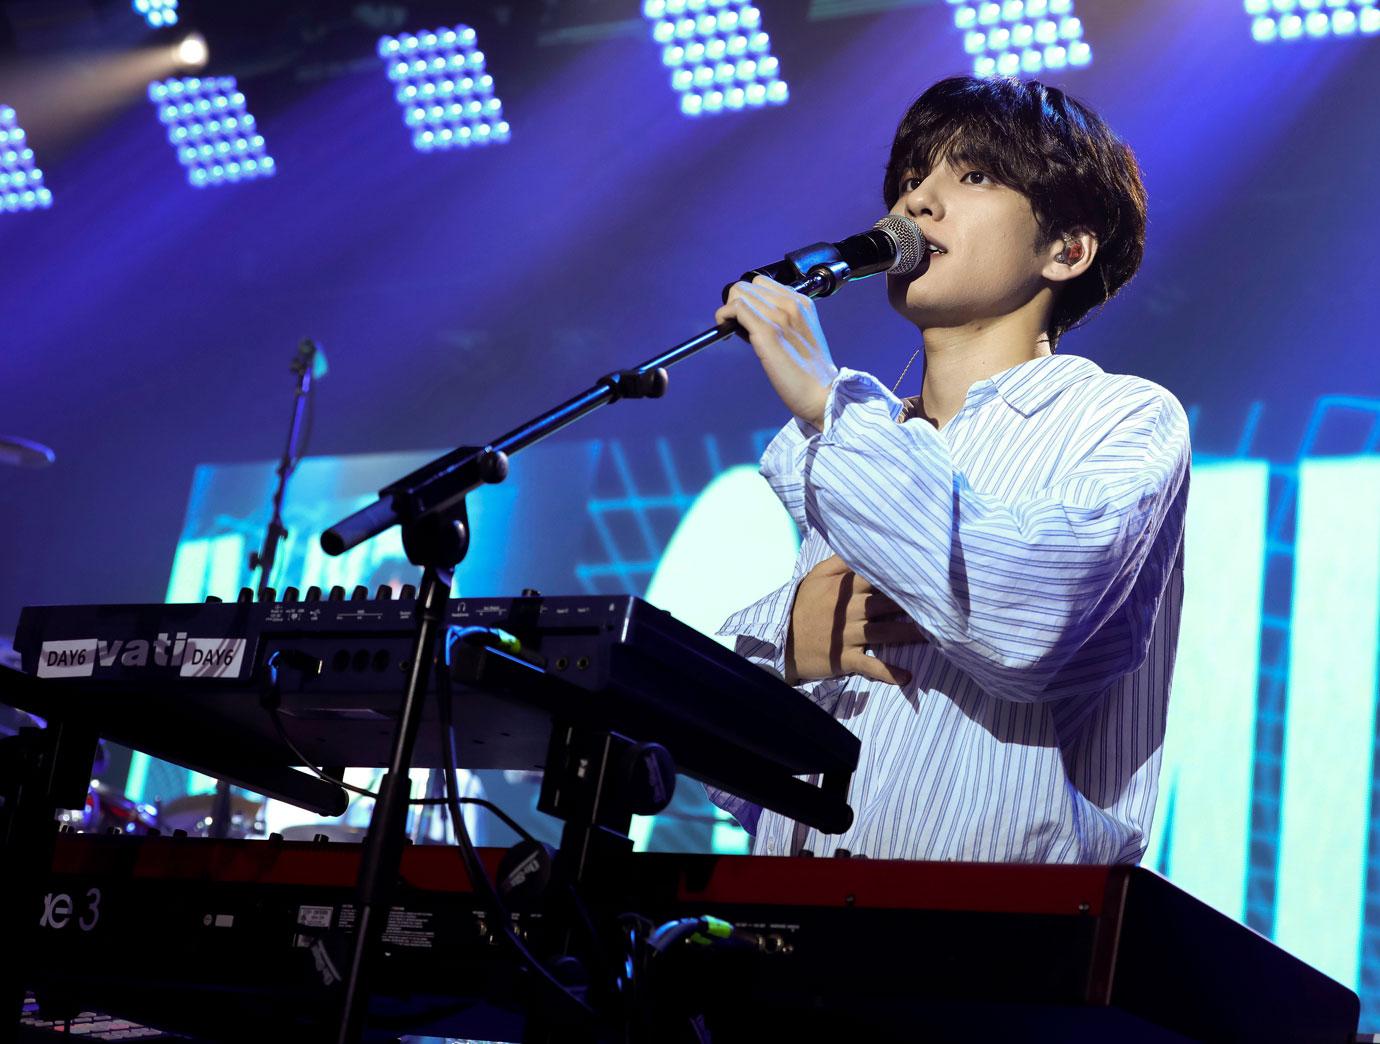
442	485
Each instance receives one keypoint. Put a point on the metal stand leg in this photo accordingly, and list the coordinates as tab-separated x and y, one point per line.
441	545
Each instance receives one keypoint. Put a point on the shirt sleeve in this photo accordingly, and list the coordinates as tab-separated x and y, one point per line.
1009	590
783	466
762	627
760	633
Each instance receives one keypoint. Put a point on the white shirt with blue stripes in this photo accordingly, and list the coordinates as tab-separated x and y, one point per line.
1037	539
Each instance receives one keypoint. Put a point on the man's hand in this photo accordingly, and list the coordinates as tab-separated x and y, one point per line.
836	614
785	333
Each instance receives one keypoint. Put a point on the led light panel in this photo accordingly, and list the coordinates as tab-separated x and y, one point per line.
21	183
719	57
1329	734
1016	37
1295	19
215	138
447	98
1200	834
158	13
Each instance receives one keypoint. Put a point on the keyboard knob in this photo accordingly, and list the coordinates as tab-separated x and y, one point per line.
385	592
649	778
337	593
313	594
246	594
359	594
408	593
213	599
530	592
268	595
291	594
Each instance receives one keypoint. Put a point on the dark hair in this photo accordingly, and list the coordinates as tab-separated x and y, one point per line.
1077	174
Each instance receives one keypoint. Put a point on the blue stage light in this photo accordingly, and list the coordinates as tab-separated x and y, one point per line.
21	183
719	57
1020	37
446	97
215	137
1273	20
158	13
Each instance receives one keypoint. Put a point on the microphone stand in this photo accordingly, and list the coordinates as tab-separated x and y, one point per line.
303	366
429	505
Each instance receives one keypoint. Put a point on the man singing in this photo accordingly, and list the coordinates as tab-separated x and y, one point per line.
988	588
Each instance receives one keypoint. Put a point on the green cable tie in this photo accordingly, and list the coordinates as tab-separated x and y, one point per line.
712	929
509	643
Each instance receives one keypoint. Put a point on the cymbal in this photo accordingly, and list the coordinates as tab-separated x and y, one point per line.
24	453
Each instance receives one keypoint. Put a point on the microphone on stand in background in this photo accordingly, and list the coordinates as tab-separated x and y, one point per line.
308	366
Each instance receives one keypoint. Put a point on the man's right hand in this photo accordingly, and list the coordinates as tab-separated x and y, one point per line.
836	615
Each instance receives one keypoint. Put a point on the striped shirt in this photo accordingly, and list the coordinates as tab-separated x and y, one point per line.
1037	540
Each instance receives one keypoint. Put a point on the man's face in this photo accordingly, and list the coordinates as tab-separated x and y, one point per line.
992	254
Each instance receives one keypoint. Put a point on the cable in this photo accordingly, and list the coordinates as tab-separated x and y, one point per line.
271	705
479	876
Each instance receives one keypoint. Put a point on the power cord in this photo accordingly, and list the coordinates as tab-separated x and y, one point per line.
479	876
271	702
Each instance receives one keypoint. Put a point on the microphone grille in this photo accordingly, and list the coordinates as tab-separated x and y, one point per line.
909	240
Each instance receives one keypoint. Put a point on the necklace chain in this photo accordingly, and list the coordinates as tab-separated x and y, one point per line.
905	371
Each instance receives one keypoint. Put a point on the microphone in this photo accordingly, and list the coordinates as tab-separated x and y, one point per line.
893	245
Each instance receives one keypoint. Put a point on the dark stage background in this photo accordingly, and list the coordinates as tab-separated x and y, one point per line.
146	326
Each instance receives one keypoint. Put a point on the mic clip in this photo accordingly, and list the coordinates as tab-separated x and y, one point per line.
817	270
821	260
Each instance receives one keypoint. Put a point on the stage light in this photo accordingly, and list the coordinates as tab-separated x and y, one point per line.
1273	20
192	52
21	183
719	58
158	13
215	138
1025	36
446	96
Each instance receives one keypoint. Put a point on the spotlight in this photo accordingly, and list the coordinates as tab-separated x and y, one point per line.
215	138
158	13
1023	36
717	54
21	183
192	52
1276	21
447	98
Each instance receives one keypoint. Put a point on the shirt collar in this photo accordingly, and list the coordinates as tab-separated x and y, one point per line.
1031	386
